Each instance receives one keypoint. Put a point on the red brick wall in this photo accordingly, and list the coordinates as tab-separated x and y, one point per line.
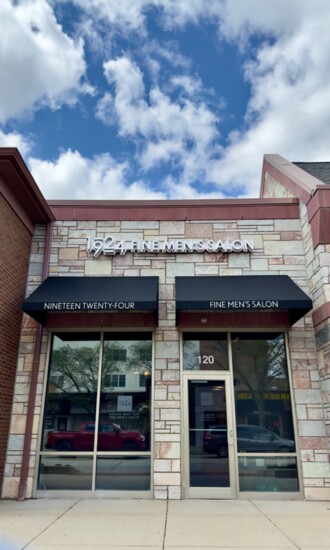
15	242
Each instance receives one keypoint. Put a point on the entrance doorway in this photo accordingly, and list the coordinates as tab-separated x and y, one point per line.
209	437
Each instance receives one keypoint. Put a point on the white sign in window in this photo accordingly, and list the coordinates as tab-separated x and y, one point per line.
124	403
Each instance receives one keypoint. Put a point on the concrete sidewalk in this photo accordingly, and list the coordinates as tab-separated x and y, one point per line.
99	524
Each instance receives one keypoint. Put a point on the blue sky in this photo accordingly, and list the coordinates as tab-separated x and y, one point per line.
162	99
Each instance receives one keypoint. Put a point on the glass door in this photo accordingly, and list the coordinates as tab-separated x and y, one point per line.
209	438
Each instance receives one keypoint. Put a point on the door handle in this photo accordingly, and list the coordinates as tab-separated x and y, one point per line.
230	437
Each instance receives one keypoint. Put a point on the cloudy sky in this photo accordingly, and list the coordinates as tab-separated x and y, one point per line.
162	99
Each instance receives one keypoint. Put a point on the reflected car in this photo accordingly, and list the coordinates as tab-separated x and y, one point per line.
111	437
249	439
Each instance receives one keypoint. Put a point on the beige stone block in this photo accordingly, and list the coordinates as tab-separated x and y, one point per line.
68	253
167	449
199	231
18	423
167	479
286	248
172	228
239	260
316	469
308	396
315	413
174	493
312	428
167	350
160	495
161	465
287	225
171	376
259	264
207	270
170	414
317	493
301	411
176	465
98	267
160	394
10	487
177	269
122	261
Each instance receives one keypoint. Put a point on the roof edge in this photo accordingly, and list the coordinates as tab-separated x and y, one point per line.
22	190
296	180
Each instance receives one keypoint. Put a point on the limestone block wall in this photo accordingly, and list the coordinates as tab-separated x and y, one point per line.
314	415
279	249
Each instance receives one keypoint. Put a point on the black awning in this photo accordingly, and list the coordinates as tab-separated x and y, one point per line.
92	294
250	293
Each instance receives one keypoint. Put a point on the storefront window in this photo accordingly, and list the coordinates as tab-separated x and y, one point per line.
203	351
124	418
70	406
264	420
97	401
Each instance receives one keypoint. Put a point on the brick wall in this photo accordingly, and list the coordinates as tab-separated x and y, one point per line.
15	243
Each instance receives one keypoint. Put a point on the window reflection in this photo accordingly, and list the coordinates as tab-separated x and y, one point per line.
278	474
124	421
122	398
65	473
262	393
121	473
71	393
205	351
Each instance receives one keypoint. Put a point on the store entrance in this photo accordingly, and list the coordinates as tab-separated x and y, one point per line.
209	438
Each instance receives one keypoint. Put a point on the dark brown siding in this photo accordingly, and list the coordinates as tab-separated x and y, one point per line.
15	242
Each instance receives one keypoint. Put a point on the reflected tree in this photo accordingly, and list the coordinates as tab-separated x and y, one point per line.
259	367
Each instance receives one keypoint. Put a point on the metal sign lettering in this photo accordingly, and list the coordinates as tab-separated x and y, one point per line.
109	246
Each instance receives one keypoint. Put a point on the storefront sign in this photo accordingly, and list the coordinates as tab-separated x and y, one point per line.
88	306
244	304
109	246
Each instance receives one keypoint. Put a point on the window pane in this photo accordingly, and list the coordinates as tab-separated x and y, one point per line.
65	473
205	351
124	422
71	393
274	474
262	394
122	473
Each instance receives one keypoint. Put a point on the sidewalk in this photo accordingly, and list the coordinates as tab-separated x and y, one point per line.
100	524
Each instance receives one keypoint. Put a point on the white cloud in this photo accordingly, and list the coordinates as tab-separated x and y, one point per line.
289	110
181	132
72	176
39	63
13	139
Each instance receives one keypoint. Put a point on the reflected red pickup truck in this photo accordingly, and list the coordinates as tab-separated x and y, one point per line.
111	437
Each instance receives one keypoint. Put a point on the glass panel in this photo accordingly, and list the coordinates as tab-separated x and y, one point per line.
120	473
262	394
71	393
65	473
208	449
124	422
205	351
274	474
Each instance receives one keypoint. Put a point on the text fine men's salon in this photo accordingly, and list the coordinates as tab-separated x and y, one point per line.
166	349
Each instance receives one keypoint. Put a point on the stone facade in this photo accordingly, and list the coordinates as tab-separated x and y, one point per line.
314	376
279	248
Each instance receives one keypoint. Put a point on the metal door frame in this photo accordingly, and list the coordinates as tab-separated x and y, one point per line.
210	492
